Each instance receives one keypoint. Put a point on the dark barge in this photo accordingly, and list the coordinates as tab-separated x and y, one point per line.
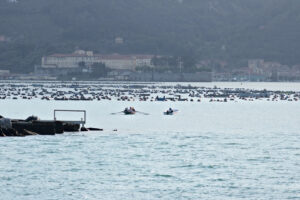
33	126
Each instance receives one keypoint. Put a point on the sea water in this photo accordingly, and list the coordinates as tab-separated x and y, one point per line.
208	150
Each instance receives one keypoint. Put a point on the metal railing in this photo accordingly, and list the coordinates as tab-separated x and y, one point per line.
82	121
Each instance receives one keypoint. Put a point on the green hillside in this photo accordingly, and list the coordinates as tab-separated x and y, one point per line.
230	30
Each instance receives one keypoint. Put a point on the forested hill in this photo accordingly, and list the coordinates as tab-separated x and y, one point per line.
231	30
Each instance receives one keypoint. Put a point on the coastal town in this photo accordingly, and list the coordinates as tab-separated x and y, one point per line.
86	65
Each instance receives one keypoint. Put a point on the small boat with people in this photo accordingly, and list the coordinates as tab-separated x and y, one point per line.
170	111
129	111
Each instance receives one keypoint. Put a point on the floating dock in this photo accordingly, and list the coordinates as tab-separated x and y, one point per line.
34	126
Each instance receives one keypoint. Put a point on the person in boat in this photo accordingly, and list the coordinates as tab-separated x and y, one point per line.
170	111
130	110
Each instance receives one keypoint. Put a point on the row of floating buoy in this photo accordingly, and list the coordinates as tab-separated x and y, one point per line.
152	99
63	98
65	92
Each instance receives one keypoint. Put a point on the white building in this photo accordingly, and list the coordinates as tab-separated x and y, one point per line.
113	61
119	40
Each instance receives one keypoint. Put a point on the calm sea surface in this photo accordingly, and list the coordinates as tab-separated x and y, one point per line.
234	150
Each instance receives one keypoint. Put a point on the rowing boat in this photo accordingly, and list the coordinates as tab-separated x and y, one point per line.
129	112
170	113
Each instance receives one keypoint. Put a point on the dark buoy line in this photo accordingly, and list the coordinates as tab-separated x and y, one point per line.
142	92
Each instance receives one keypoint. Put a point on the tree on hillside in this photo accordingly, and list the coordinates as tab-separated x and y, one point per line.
210	29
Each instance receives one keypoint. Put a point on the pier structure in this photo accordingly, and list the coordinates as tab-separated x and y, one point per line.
34	126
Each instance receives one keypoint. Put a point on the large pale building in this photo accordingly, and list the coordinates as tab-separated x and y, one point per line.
88	58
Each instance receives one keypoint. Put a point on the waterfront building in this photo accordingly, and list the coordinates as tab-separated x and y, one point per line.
88	58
